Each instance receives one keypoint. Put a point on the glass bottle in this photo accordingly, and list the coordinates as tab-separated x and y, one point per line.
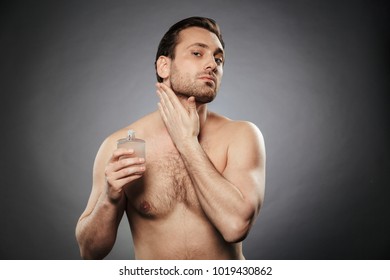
130	142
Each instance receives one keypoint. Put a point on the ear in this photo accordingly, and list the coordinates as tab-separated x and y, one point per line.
163	66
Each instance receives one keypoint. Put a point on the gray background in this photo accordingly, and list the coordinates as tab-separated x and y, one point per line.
312	75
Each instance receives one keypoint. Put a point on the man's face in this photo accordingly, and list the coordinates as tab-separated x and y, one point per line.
198	65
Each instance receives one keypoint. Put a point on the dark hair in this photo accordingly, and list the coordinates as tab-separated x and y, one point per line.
170	39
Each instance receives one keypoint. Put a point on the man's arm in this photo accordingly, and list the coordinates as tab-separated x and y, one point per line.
97	227
231	200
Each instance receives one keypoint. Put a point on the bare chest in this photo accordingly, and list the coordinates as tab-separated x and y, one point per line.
165	184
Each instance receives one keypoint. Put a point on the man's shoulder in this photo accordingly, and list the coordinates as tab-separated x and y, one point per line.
240	137
139	127
234	127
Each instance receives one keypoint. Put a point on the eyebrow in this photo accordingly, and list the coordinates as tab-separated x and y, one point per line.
217	51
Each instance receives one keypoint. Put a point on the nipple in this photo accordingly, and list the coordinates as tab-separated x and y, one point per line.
144	207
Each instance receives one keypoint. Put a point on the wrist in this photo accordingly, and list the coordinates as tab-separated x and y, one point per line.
110	201
188	146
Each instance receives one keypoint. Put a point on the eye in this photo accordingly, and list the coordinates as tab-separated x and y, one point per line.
218	60
197	54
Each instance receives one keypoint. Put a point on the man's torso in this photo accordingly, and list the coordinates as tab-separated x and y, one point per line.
164	213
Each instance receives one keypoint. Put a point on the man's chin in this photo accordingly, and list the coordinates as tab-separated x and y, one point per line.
204	99
205	95
202	95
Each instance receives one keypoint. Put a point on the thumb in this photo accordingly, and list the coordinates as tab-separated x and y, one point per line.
191	105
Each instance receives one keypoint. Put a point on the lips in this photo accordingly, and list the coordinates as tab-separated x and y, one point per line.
208	78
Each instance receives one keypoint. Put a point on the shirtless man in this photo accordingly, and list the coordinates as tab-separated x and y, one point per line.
199	189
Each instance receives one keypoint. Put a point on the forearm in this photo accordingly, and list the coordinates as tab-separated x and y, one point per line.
96	232
230	202
223	203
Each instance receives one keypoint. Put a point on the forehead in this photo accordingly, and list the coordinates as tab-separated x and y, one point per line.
192	35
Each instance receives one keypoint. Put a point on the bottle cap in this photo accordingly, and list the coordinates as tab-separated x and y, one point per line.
131	134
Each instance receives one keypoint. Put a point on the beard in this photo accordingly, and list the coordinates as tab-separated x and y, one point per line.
184	85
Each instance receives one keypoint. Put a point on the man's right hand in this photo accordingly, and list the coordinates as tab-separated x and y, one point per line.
122	169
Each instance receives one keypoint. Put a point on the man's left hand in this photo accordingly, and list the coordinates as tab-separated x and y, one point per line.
181	120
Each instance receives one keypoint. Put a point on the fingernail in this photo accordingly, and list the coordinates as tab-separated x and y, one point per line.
141	160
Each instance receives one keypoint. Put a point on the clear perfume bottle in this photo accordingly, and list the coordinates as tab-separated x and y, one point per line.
130	142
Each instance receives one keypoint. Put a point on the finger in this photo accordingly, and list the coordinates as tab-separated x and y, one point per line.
162	107
118	185
163	98
170	95
112	169
122	182
127	162
162	112
160	91
165	102
114	176
120	153
130	171
191	105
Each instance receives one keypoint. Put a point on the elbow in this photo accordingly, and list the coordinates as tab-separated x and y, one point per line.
88	249
85	251
90	252
236	230
89	255
237	226
85	254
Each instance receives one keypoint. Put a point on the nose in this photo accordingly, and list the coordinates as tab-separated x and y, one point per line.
211	64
